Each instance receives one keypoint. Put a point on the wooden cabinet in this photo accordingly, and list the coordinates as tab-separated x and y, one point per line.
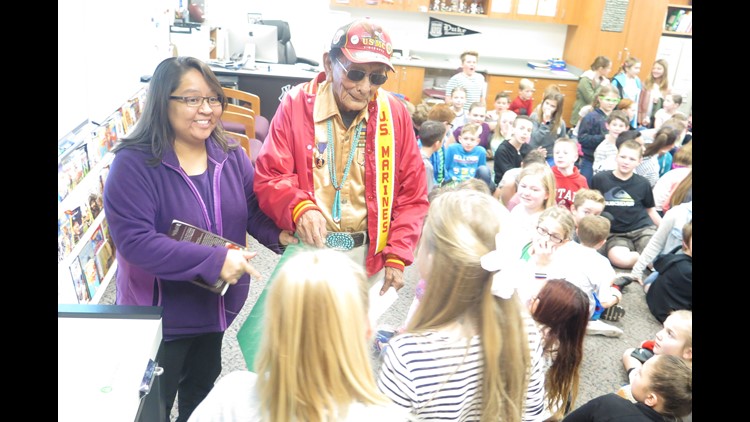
509	84
407	81
553	11
643	25
416	5
394	5
679	21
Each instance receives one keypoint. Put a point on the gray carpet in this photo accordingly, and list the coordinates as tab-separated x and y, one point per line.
601	372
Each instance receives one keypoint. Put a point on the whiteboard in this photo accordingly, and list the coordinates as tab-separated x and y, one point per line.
103	48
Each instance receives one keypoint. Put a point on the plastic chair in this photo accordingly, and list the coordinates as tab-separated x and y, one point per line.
246	99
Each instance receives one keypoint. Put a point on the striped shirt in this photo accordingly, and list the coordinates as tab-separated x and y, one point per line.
649	168
475	87
438	378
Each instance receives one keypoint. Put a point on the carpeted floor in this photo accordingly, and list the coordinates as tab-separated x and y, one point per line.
601	372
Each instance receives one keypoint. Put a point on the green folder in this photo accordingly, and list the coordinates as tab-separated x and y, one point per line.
249	334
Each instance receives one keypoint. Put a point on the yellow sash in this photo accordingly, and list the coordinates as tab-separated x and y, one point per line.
385	165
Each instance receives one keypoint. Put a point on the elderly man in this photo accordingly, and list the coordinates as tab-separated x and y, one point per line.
341	166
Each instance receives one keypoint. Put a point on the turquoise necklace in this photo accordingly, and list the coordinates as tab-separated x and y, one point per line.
336	208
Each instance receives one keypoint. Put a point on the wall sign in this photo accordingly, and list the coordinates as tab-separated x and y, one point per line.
613	16
440	29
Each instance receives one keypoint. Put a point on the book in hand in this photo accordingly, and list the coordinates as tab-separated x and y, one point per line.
180	230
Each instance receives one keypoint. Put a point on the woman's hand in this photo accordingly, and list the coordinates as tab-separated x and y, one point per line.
286	237
237	264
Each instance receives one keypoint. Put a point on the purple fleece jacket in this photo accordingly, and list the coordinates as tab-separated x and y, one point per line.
140	202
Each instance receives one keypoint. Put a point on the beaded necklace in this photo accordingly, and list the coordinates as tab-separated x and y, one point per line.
440	164
336	208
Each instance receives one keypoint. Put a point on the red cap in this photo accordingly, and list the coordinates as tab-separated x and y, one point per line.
364	41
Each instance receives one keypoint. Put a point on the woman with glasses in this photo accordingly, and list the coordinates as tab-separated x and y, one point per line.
592	127
179	164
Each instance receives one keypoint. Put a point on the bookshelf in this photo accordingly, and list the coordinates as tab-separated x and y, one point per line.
86	260
678	21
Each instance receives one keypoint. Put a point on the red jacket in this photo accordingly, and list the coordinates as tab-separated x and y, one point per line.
284	174
567	186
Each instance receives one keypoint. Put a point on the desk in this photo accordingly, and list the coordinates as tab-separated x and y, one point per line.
270	82
102	353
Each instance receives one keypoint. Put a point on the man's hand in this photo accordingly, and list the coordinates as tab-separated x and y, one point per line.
311	228
393	277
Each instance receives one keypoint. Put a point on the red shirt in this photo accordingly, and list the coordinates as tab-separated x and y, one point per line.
522	107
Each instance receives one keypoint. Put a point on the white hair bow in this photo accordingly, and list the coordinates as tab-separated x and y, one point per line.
503	284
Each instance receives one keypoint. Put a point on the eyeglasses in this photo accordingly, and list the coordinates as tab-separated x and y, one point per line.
610	100
552	237
197	101
358	75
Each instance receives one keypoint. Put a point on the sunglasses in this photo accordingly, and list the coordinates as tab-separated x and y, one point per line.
358	75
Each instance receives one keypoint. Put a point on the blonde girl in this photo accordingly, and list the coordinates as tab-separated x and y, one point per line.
313	363
470	334
457	105
629	84
655	87
503	130
536	192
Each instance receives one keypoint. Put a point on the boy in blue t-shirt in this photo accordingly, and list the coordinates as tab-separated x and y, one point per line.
466	159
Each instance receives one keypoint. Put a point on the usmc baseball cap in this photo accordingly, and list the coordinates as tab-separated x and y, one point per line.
364	41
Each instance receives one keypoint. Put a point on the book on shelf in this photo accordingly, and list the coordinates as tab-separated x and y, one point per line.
679	20
71	170
88	265
104	259
79	282
686	23
179	230
64	236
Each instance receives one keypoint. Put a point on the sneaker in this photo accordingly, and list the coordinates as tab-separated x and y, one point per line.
613	313
622	281
601	328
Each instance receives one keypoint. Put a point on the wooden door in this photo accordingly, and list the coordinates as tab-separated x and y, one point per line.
412	79
586	41
407	81
644	31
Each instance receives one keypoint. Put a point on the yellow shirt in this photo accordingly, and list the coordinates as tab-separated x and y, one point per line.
353	206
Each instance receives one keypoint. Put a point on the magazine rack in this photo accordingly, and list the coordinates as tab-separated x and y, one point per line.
86	253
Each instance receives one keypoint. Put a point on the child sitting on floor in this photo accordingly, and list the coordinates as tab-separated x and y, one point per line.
675	338
662	391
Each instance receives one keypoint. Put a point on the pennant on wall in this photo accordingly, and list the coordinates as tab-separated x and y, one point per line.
440	29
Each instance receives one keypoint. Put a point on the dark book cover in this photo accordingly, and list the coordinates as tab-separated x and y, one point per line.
182	231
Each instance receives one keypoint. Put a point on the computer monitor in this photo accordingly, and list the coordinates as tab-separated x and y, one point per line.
264	37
